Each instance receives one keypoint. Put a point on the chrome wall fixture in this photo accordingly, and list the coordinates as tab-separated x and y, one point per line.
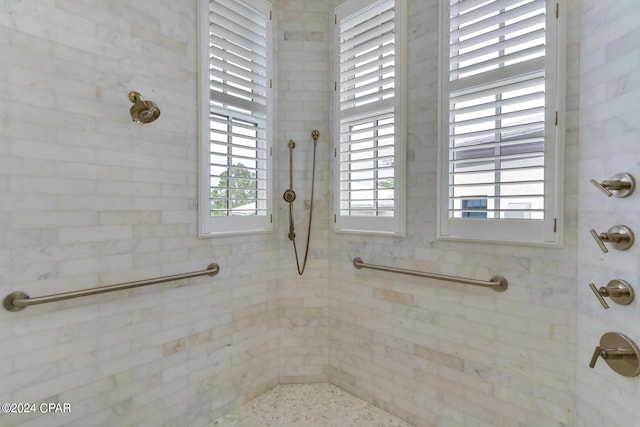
620	237
289	196
618	290
142	111
620	185
497	283
17	301
620	353
618	350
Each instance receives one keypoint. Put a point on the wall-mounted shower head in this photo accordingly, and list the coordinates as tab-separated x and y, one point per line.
142	111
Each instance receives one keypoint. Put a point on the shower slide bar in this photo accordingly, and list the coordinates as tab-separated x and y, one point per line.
17	301
497	283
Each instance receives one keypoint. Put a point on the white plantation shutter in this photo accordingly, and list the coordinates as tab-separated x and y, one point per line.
236	157
500	125
368	119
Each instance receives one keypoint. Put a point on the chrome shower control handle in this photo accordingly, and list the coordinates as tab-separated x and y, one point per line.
599	296
602	187
599	240
620	185
611	354
620	237
620	353
598	352
620	292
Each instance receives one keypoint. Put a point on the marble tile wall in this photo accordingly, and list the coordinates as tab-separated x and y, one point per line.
88	198
304	83
609	138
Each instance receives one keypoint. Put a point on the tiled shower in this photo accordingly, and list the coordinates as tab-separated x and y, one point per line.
87	198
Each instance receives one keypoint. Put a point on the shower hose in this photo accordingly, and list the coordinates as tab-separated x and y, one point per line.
290	196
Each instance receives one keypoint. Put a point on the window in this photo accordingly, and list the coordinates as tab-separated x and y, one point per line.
235	116
501	142
369	117
474	208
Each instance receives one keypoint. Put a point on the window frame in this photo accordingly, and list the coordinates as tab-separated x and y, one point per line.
546	232
375	225
213	226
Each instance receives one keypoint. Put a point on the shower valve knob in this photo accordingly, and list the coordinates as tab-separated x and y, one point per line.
618	290
620	185
620	237
610	354
620	353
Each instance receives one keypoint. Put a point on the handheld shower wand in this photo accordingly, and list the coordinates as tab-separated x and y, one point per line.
289	197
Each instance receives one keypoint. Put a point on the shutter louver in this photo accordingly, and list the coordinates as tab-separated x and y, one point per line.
366	95
238	109
497	109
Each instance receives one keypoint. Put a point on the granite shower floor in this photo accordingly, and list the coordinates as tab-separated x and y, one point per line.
308	405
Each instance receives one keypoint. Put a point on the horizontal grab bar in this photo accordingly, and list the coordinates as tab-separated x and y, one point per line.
17	301
497	283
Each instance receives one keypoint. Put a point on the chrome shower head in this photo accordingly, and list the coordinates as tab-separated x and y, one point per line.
142	111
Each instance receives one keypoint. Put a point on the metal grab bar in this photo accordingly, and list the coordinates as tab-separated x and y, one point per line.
17	301
497	283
